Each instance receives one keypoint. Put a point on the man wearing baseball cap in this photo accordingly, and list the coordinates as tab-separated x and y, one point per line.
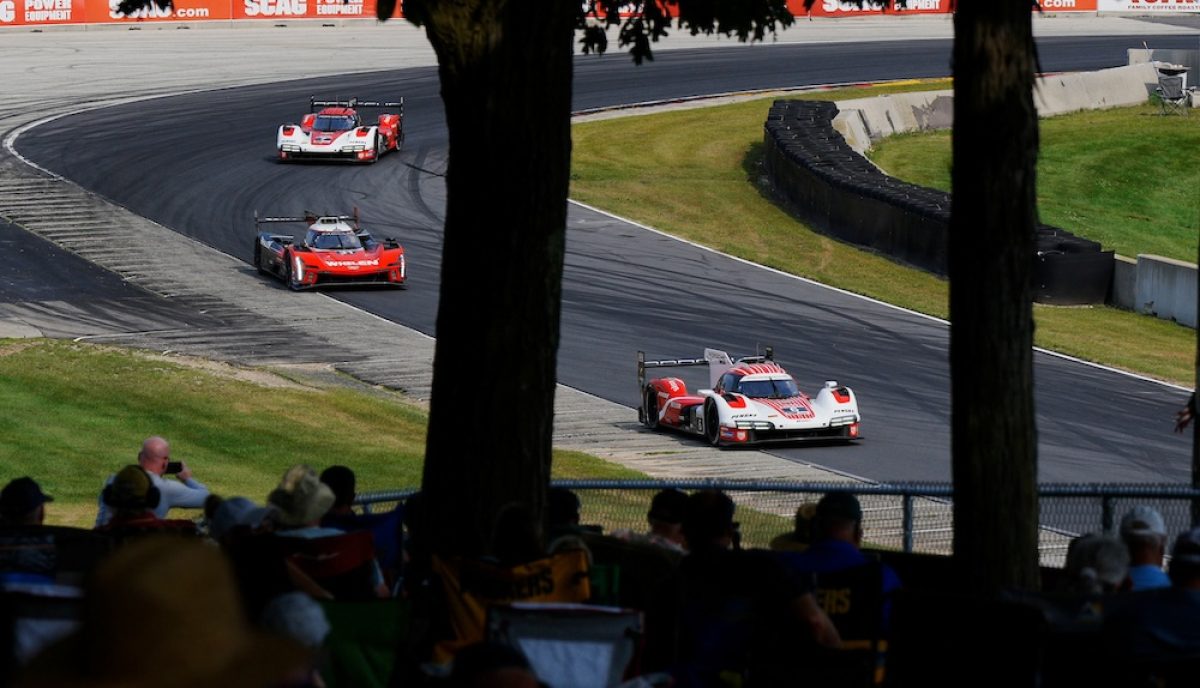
22	503
1145	536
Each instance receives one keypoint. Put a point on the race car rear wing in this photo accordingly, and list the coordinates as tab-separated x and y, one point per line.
308	219
313	104
717	361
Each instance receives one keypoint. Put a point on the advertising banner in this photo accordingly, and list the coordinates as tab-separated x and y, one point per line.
41	12
105	11
1069	5
844	8
1149	6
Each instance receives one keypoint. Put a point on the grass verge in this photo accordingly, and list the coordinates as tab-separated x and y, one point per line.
656	169
78	412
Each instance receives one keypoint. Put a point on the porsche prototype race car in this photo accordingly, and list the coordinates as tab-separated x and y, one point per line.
751	401
335	251
338	132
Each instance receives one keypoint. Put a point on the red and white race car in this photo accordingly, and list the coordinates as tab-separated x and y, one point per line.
334	251
751	401
339	132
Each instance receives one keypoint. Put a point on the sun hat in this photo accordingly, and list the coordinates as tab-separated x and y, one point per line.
301	497
165	610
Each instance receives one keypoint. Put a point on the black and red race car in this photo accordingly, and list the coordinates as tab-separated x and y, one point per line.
335	250
338	131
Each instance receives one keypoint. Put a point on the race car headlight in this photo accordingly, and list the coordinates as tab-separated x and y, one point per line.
298	266
355	149
290	148
754	425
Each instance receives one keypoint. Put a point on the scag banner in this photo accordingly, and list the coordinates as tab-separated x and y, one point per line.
1149	6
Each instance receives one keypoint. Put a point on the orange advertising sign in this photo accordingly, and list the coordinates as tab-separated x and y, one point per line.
105	11
40	12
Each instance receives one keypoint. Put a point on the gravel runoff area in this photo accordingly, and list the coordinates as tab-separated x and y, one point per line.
218	308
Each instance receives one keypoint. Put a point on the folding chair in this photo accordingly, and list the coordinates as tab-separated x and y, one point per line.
344	564
1172	97
569	644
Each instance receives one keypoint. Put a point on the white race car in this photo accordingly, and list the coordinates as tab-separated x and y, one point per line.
751	401
338	131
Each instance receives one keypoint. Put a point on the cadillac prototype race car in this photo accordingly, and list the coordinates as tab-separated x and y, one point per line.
339	132
751	401
334	251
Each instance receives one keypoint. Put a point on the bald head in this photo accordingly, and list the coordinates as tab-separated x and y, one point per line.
155	454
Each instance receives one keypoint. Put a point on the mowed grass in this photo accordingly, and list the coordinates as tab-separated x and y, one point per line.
75	413
1124	177
696	174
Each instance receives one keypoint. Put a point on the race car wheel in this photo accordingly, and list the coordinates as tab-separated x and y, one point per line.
712	424
650	408
258	264
289	277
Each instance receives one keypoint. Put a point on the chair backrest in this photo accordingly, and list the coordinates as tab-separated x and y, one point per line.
1171	87
361	649
59	552
343	564
853	599
570	645
472	587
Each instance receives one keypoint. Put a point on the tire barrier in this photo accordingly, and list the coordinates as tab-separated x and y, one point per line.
825	183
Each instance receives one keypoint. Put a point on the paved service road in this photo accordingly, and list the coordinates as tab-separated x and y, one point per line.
201	164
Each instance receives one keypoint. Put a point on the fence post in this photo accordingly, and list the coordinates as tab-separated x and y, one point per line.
907	521
1106	514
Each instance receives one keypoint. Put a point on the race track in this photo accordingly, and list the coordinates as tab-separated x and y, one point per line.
201	164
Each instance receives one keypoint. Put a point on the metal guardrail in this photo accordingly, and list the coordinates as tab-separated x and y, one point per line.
913	517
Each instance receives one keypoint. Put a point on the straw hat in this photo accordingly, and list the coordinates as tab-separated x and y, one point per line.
301	497
165	611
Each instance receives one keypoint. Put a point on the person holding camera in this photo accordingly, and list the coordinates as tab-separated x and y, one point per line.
184	492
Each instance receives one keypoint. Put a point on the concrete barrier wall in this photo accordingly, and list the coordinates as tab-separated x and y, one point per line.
863	121
1166	288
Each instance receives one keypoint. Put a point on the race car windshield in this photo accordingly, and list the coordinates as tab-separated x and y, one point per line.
334	241
768	389
333	123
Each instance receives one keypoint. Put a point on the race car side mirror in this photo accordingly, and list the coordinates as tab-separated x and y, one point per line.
830	384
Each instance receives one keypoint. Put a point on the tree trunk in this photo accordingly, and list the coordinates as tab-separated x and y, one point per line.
505	72
992	232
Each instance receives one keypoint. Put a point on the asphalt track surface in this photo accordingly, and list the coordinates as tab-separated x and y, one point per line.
202	164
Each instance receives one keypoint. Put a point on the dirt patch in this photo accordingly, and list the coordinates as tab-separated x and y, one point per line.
263	378
16	347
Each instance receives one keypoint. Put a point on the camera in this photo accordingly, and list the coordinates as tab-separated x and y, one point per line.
173	467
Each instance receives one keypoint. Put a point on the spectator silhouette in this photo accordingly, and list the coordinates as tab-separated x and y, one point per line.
185	492
1155	638
176	600
132	500
837	533
1145	536
491	665
387	528
729	612
800	536
1096	564
666	521
22	503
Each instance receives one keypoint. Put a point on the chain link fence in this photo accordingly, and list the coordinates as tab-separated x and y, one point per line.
912	517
